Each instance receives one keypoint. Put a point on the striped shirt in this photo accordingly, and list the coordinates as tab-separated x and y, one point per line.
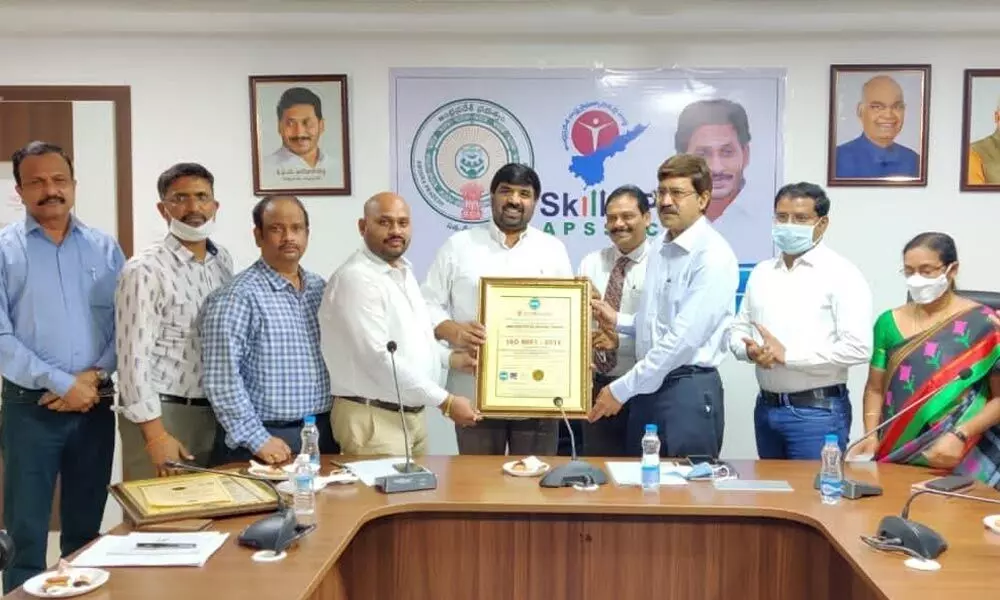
261	352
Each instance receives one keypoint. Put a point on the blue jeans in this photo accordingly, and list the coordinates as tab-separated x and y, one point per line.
789	432
38	445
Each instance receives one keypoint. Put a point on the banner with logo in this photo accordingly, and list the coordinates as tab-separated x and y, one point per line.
586	132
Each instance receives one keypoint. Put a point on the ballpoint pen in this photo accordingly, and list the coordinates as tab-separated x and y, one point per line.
158	545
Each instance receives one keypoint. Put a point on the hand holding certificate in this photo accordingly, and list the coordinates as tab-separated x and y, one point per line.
537	347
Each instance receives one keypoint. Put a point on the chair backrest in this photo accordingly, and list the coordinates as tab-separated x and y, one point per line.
991	299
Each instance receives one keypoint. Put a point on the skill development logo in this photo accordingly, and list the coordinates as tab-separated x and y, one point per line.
594	132
456	151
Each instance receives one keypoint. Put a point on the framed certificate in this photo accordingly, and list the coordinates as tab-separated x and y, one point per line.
537	347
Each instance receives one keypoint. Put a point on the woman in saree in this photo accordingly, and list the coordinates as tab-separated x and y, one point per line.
934	361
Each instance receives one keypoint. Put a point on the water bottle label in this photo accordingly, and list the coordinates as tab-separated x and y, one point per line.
829	487
650	475
303	483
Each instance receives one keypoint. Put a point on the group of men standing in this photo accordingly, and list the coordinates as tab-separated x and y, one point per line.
217	368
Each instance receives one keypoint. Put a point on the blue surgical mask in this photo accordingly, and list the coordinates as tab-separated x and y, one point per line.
792	239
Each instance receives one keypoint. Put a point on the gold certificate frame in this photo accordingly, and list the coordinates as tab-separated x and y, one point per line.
537	347
191	496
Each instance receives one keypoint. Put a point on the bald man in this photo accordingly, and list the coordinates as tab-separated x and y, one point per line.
984	157
373	302
875	153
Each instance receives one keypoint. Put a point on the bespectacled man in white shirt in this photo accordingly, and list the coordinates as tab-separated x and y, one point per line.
680	325
506	247
159	293
617	273
372	307
805	319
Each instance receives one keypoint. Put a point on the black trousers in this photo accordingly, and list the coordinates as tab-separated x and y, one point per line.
688	412
289	432
608	436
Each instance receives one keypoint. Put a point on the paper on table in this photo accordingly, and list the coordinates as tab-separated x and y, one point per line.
370	470
630	473
123	550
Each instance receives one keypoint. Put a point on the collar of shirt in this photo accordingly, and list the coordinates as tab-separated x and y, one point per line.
283	154
878	153
812	258
380	265
30	224
636	256
689	239
275	279
181	251
501	238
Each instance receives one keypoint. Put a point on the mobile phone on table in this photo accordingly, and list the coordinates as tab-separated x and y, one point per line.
951	483
697	459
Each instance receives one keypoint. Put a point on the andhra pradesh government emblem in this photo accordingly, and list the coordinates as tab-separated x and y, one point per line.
456	151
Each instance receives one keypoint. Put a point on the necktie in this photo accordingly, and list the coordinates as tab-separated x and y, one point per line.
607	360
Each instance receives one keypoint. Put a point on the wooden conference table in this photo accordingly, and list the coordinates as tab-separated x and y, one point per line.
485	535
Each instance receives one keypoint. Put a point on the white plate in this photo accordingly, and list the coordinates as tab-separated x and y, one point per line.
992	523
286	487
508	468
98	577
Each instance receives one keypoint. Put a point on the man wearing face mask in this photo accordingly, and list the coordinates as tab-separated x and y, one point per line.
373	299
804	320
506	247
160	291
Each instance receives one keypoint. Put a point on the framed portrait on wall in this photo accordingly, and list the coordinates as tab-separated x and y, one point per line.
299	132
878	125
981	131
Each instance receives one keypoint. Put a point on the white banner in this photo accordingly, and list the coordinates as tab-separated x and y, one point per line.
586	132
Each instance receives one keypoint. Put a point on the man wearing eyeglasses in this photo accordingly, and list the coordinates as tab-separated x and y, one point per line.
679	328
159	295
804	320
875	152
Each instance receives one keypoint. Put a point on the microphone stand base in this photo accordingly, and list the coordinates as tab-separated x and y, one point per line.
575	472
912	535
407	482
854	490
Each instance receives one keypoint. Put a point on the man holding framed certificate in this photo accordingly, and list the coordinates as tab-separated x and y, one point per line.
508	248
688	302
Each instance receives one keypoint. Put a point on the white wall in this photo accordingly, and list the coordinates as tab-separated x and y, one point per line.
190	103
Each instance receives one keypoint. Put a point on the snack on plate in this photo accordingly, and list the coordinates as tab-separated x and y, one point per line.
81	581
55	582
270	470
526	465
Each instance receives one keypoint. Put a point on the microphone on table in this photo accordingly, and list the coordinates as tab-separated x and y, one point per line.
6	549
853	490
575	472
411	477
899	533
274	532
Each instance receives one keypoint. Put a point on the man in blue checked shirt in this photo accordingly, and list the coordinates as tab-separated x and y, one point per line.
264	370
57	348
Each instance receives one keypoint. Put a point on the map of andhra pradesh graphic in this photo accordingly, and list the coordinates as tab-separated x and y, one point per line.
596	137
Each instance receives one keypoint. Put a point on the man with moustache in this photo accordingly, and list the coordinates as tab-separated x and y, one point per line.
686	307
372	300
57	350
875	152
617	272
506	247
300	158
984	157
160	291
264	370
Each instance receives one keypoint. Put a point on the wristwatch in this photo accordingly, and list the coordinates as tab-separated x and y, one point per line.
102	376
960	435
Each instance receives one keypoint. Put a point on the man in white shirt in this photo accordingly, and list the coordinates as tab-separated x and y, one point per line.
159	294
805	319
375	329
506	247
300	161
617	273
680	326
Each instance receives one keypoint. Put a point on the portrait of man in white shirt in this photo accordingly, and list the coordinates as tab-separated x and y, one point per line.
506	247
805	319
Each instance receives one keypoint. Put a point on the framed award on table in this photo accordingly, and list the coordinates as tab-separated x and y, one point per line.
537	347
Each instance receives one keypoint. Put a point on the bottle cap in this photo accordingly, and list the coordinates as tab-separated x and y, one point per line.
831	438
651	428
309	420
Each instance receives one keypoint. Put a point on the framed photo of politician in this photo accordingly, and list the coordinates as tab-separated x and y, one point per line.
878	125
981	131
299	133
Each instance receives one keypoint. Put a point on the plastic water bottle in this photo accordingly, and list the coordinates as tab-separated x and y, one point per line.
310	441
650	459
304	498
831	476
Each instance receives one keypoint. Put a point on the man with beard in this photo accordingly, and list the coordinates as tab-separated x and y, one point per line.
160	291
57	349
373	300
299	160
506	247
875	152
617	273
679	327
264	371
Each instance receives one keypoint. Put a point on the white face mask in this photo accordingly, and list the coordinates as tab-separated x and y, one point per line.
188	233
924	290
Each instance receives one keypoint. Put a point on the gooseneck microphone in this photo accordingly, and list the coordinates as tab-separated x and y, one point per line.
853	490
410	477
900	534
274	532
575	472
